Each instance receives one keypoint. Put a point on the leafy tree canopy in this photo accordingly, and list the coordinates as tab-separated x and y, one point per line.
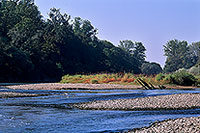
33	49
151	68
178	55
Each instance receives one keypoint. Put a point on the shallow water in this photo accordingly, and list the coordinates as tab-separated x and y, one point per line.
52	113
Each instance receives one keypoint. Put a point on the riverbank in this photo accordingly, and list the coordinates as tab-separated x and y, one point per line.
165	102
178	101
177	78
59	86
180	125
14	94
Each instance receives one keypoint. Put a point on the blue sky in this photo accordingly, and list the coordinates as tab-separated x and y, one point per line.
153	22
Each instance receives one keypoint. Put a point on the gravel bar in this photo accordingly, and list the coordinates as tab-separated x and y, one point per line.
176	101
180	125
14	94
58	86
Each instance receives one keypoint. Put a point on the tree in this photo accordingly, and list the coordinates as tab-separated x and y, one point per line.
58	28
116	60
33	49
136	51
178	56
151	68
15	65
84	30
139	52
195	51
128	46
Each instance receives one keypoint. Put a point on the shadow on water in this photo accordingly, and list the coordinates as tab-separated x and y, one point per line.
52	113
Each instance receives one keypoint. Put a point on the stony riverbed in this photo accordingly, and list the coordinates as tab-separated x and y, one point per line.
15	94
177	101
131	103
181	125
58	86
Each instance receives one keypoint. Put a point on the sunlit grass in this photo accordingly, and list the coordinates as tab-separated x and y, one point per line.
112	78
121	78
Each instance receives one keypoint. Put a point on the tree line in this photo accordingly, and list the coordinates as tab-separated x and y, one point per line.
33	49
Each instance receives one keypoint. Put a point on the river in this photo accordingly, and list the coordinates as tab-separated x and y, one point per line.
52	114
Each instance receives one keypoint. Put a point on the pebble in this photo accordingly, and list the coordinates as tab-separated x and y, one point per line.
180	125
58	86
176	101
14	94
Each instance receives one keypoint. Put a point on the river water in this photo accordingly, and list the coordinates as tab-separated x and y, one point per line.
52	114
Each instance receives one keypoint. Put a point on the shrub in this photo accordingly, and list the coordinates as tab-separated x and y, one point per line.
168	78
198	81
94	81
65	79
194	70
160	76
183	78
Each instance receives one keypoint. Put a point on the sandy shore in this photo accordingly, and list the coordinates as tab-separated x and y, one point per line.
176	101
181	125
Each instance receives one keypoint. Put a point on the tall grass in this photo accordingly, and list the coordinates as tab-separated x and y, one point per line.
179	78
111	78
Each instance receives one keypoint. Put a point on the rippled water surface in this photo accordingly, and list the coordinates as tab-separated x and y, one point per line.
52	113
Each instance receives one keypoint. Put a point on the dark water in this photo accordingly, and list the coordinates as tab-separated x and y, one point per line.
52	113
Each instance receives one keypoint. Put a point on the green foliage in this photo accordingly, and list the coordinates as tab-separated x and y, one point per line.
178	55
151	68
194	70
160	76
183	78
198	81
178	78
94	81
195	51
128	46
84	30
135	51
168	78
33	49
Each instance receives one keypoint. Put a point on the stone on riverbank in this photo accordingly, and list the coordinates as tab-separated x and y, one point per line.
181	125
81	86
59	86
14	94
176	101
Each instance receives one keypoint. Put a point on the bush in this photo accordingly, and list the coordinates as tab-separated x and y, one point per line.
194	70
168	78
160	76
183	78
198	81
94	81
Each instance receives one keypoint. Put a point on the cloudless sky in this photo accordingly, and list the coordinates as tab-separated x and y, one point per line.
153	22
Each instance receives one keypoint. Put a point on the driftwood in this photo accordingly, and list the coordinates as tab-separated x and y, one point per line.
152	86
149	86
145	84
141	83
161	87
